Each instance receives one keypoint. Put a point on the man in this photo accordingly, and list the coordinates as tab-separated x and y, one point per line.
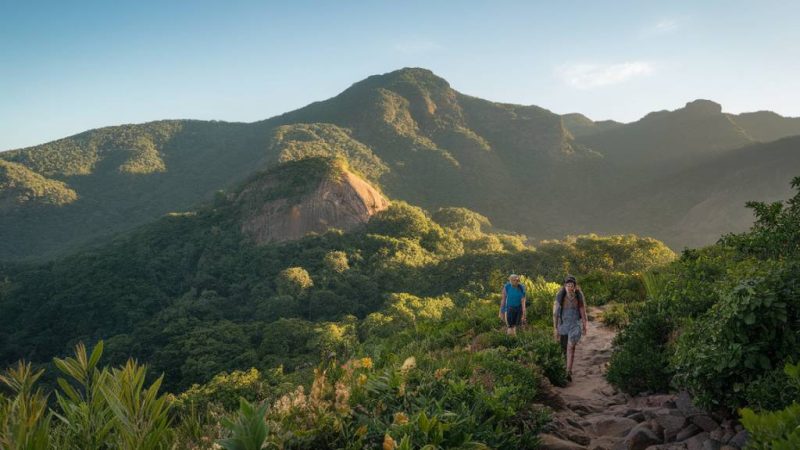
512	306
569	319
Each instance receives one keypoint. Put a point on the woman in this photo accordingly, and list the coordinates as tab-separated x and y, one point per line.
569	319
512	306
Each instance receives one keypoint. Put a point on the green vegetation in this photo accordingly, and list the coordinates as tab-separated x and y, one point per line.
722	321
385	334
20	186
414	137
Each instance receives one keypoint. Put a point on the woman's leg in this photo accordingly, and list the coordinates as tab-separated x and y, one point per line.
570	357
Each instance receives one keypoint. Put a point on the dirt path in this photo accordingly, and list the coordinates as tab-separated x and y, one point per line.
590	414
589	389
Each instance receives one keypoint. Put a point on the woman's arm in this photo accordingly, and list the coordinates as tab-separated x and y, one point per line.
584	318
555	318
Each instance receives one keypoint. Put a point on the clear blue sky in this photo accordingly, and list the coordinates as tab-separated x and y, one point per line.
66	66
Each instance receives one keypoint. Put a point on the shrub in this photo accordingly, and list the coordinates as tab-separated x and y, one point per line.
753	329
640	361
776	430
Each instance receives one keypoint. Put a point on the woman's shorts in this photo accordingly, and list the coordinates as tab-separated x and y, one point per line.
513	316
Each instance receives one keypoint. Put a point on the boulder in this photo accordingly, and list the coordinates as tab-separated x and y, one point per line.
639	438
687	432
739	440
705	422
686	405
696	442
550	442
672	425
611	425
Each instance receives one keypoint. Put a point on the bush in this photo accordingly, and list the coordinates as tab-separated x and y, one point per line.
754	328
777	430
640	361
618	315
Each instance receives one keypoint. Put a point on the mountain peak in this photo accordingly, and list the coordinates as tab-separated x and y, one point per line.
702	106
415	76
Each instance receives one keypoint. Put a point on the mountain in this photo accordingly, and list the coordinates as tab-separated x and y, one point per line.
767	126
692	207
580	125
668	140
407	132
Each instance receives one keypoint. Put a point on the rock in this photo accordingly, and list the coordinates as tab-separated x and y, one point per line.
727	447
639	438
672	446
711	444
670	404
686	405
687	432
739	440
550	442
549	396
696	442
611	425
727	436
672	425
705	422
637	416
574	423
344	202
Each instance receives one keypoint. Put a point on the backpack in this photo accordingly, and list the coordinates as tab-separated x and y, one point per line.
560	299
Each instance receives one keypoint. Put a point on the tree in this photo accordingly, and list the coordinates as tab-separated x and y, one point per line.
294	281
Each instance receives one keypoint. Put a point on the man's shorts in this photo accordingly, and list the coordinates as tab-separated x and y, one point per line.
513	316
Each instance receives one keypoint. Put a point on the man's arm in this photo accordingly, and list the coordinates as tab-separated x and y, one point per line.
502	302
524	318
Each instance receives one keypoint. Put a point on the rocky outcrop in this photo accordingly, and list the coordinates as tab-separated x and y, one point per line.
344	202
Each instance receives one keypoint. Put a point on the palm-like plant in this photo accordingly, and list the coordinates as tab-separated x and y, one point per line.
86	418
249	430
141	415
24	418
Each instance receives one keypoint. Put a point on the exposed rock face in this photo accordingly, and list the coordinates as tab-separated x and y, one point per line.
344	203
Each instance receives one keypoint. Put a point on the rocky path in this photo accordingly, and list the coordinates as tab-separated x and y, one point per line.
593	415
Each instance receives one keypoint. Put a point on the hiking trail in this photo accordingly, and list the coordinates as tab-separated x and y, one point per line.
590	414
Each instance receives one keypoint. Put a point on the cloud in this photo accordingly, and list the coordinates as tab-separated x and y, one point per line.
416	47
665	25
588	76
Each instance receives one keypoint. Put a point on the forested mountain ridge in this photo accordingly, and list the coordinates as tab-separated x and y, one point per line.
182	291
407	132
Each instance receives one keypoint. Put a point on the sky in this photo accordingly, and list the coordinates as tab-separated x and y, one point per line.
70	66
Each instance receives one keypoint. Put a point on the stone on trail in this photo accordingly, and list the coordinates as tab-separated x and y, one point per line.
686	405
739	440
697	441
639	438
611	425
672	425
550	442
705	422
687	432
